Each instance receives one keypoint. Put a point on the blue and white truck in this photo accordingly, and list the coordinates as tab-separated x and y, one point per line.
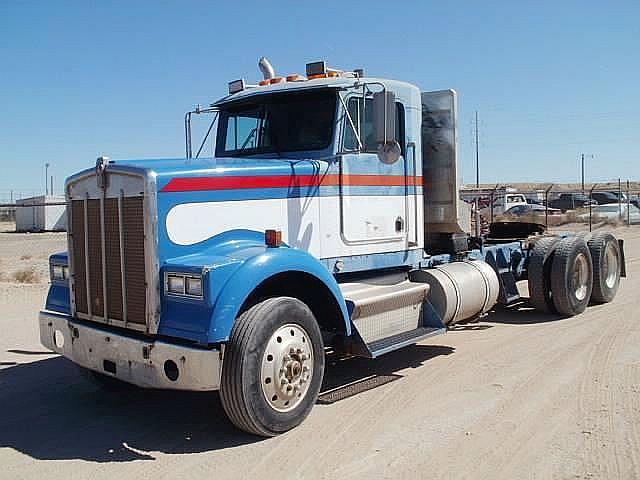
328	219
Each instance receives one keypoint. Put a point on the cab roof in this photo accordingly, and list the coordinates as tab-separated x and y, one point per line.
402	88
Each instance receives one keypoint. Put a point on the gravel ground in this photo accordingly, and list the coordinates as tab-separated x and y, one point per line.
518	395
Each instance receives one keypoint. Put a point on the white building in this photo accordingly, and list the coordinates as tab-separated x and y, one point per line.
38	218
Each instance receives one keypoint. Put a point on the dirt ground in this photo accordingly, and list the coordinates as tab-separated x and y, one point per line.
518	395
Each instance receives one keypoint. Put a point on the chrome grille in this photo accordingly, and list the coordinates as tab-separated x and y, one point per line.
108	267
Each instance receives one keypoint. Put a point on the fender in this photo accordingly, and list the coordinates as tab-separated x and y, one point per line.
257	269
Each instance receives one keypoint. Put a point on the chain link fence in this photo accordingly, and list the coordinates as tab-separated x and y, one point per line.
551	205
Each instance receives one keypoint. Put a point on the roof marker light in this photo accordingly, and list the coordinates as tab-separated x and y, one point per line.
295	78
275	80
316	68
264	82
236	86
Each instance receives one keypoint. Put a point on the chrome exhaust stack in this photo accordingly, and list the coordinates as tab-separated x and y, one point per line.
266	68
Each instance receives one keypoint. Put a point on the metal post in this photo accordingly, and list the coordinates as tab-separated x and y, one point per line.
546	205
46	177
591	205
628	205
619	199
477	217
493	196
51	191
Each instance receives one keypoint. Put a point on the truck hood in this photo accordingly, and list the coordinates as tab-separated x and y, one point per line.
172	174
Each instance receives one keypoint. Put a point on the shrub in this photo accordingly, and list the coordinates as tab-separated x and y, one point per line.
28	275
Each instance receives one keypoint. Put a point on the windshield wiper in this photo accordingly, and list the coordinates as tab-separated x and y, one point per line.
252	134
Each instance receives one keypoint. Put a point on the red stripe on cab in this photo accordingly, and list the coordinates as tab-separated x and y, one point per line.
192	184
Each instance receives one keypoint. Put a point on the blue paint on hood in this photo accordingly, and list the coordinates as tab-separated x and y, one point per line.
168	168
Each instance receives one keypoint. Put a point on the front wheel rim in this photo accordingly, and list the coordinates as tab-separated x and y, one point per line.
287	367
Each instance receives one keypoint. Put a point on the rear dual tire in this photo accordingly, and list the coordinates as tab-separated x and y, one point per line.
607	266
571	276
567	274
539	275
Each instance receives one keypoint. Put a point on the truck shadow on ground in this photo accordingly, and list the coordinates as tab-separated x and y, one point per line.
522	314
50	412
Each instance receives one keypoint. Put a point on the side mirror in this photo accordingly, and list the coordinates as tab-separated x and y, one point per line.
384	124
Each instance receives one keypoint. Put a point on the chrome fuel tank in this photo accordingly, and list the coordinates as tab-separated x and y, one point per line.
460	290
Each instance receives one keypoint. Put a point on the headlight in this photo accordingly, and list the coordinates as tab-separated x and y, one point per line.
59	272
194	286
187	285
175	284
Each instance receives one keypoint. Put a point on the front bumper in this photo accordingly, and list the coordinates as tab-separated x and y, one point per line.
148	364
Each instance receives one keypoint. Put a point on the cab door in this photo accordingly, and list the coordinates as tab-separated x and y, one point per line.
373	194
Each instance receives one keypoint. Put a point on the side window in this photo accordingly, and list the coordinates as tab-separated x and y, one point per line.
364	118
243	132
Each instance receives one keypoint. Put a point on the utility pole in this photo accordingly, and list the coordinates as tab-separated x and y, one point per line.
477	155
582	173
46	177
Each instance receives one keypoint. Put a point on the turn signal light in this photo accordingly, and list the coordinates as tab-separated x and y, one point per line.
273	238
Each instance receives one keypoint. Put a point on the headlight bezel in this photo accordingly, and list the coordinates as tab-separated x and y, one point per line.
182	282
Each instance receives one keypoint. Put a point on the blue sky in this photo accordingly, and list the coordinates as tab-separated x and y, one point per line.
550	79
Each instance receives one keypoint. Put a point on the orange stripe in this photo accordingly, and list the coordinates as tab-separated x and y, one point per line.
370	180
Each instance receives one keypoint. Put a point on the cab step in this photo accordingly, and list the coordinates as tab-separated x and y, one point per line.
388	313
389	344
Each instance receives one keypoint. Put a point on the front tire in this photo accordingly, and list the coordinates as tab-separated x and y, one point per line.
273	367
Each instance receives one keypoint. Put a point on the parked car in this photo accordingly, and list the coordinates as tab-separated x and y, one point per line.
614	211
532	209
571	201
602	198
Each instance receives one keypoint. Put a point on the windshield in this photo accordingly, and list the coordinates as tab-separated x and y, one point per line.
285	122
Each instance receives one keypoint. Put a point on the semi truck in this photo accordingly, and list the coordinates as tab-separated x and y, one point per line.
328	220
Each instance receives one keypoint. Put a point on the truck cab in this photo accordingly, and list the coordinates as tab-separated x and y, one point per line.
328	218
